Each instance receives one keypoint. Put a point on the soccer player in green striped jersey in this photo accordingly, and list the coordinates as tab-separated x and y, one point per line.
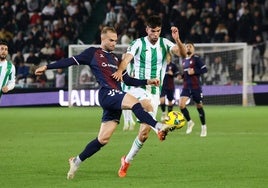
150	60
7	70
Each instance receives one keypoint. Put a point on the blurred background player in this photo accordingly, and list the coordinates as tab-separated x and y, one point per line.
193	67
168	88
7	70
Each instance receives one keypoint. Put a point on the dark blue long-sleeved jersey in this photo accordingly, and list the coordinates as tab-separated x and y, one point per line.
193	81
168	82
102	63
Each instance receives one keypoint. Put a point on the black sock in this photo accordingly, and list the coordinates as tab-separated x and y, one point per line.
143	116
90	149
186	114
163	107
202	115
170	108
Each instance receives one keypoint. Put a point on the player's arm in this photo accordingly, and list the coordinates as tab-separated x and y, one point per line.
123	66
179	49
84	59
63	63
130	81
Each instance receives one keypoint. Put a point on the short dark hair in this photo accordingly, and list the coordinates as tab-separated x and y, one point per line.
2	42
154	21
189	42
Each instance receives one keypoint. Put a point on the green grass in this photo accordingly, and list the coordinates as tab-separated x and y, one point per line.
35	144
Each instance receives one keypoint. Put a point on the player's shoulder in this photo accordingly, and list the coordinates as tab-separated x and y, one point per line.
196	57
92	48
10	63
135	41
166	42
135	44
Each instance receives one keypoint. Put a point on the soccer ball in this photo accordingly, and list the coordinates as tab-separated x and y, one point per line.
175	118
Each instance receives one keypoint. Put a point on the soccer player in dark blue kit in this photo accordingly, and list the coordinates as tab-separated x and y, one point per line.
193	67
168	88
112	99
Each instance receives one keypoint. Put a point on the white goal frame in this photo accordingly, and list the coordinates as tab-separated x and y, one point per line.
247	100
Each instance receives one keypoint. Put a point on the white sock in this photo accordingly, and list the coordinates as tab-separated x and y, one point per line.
130	117
157	127
125	115
77	161
136	146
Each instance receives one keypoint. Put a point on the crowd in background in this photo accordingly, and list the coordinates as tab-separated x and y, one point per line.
208	21
44	28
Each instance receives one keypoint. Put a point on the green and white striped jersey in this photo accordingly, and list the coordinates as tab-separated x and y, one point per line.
7	75
130	71
150	60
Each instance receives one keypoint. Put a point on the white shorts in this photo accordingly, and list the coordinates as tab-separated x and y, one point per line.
142	94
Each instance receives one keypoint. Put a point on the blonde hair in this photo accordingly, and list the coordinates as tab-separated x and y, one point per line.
107	29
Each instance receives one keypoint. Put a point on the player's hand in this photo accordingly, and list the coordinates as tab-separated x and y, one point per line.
175	33
39	71
5	89
117	75
154	82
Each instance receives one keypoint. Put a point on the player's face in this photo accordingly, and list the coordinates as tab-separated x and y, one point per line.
153	34
189	49
109	41
3	52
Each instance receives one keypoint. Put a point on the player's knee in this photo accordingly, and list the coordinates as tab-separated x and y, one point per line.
103	141
146	105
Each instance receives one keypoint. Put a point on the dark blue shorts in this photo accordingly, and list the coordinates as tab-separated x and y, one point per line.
195	94
111	103
168	92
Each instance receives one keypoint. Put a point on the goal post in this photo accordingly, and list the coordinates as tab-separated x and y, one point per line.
228	81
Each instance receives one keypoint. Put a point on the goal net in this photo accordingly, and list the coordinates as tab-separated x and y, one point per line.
227	81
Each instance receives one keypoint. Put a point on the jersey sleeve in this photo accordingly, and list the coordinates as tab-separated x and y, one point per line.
84	59
130	81
12	78
134	47
169	45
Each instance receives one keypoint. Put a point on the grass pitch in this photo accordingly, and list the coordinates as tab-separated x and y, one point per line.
35	144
